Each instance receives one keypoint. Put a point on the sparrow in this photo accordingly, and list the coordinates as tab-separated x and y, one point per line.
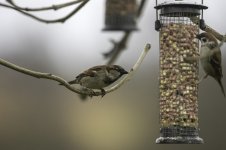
210	57
99	77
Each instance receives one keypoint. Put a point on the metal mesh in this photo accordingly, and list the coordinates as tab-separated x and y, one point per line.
180	17
178	80
175	131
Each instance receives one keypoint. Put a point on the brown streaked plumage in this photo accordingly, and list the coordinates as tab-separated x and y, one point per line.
99	77
210	54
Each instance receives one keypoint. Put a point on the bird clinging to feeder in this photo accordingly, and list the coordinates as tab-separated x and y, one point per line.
210	57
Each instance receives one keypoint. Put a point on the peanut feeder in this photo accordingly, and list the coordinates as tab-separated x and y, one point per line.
178	80
120	15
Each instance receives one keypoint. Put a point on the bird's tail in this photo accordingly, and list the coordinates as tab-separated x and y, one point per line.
83	97
73	82
222	87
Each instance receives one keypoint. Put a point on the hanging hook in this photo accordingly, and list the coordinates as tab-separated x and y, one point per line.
202	24
202	9
156	3
157	22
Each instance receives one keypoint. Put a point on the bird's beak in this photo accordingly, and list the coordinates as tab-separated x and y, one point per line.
125	72
198	36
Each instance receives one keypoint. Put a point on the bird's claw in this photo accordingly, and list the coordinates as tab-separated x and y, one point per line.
92	93
191	60
89	92
202	78
103	92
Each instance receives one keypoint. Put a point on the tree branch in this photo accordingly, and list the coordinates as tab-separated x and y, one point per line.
55	7
118	47
121	45
141	8
132	70
50	76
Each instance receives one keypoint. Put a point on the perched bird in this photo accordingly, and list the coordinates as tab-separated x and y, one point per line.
99	77
210	57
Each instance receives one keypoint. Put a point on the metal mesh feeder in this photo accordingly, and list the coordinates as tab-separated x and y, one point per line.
178	80
120	15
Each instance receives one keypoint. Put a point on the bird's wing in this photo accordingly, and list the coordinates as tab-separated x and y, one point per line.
92	72
87	73
215	61
97	68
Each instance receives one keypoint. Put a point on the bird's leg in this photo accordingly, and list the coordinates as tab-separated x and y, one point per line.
203	77
195	20
92	93
103	92
197	53
191	59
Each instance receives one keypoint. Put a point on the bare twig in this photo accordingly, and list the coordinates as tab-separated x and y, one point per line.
53	7
132	71
60	20
117	48
50	76
141	8
40	75
121	45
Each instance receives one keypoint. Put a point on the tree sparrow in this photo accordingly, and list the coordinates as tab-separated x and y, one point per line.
99	77
210	57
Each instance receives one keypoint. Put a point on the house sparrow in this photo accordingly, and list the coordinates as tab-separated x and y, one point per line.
99	77
210	57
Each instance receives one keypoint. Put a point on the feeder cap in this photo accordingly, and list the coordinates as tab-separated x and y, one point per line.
181	3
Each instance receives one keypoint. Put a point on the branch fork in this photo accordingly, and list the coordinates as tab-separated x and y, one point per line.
25	10
64	83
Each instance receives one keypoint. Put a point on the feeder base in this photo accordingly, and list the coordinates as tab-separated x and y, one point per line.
120	23
179	140
179	135
121	28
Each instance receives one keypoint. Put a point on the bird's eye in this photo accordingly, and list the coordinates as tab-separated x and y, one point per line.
204	39
117	68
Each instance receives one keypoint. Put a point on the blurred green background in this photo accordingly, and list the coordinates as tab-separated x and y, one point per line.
40	115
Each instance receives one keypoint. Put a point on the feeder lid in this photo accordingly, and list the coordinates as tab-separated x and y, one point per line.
181	4
179	8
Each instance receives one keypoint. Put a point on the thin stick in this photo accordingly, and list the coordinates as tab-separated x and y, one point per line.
53	7
40	75
141	8
121	45
60	20
50	76
132	71
117	48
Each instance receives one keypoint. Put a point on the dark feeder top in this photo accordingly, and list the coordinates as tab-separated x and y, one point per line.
179	9
123	18
167	9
